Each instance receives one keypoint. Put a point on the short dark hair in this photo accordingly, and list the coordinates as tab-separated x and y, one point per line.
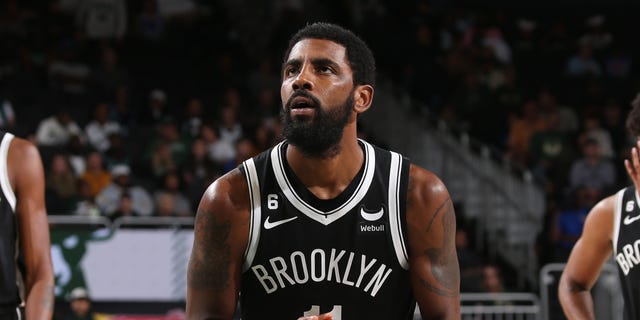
633	119
359	55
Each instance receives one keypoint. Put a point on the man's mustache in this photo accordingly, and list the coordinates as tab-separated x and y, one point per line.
315	103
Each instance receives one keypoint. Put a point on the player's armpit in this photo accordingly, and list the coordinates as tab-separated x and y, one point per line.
431	225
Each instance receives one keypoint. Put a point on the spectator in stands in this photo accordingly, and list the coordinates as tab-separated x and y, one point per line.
117	153
100	128
61	185
596	35
120	110
194	118
125	207
198	172
568	121
85	204
492	281
230	129
156	109
569	221
521	129
177	204
80	305
245	149
583	63
77	155
109	75
219	151
166	205
169	135
162	161
57	130
99	19
592	171
151	25
592	129
96	176
109	198
551	151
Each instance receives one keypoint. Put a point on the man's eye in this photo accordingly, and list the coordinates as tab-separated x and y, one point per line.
325	69
290	71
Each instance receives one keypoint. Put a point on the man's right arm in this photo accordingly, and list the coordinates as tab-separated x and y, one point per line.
588	256
220	239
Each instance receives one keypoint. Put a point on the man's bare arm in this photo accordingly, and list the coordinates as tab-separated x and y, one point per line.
27	176
221	233
431	224
588	256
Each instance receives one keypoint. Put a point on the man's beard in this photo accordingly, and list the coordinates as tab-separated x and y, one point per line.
320	136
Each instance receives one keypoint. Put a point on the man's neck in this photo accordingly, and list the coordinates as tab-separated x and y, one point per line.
326	178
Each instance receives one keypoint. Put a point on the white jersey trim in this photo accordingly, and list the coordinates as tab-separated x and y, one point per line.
323	217
4	172
617	218
395	220
253	184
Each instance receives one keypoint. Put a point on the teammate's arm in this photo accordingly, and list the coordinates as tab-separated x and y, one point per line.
431	226
588	256
221	235
27	176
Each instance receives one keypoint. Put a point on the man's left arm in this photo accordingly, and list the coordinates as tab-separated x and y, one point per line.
431	228
25	167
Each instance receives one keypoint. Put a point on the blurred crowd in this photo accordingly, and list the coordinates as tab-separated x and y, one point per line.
137	106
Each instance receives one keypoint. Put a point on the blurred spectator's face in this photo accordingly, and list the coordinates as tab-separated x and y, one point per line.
209	134
122	180
80	307
94	161
64	118
492	279
59	164
194	108
126	205
199	149
166	205
591	150
461	239
171	182
102	112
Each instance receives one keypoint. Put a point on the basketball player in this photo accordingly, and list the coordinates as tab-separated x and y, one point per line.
612	226
324	224
26	273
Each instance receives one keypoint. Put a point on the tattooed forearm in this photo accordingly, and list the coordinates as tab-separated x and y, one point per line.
444	266
47	299
211	256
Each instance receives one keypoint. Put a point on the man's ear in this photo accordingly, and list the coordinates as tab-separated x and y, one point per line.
363	96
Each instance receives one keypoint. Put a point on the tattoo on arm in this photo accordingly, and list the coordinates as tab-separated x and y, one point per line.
209	265
443	266
47	300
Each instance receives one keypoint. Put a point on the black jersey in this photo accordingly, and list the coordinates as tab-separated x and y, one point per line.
626	248
308	256
10	279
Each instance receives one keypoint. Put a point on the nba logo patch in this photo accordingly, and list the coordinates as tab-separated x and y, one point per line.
629	207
